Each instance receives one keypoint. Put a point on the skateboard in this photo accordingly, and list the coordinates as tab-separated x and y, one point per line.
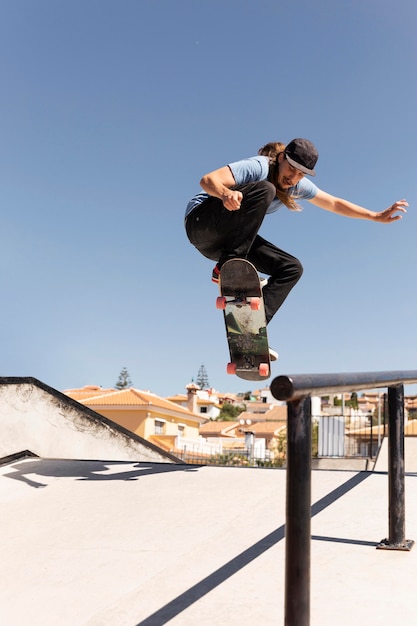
244	316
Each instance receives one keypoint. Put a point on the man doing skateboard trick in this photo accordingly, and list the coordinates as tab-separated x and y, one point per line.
223	221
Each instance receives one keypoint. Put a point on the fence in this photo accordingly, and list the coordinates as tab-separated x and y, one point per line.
339	437
251	452
297	391
333	436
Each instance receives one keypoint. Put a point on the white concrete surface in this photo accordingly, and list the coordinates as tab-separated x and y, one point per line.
127	544
44	421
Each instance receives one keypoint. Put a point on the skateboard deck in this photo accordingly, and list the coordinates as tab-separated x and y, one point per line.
244	316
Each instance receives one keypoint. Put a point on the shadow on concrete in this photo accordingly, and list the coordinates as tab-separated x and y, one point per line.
355	542
196	592
90	470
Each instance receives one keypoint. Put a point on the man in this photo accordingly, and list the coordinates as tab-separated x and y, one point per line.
223	222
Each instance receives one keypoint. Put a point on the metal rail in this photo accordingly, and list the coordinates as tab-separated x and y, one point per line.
296	390
300	385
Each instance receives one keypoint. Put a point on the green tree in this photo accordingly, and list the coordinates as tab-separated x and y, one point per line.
353	402
229	412
202	378
123	382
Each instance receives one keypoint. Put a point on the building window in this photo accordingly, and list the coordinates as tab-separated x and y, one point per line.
159	427
203	409
181	430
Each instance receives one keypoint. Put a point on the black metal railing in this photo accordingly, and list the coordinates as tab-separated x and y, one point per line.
297	390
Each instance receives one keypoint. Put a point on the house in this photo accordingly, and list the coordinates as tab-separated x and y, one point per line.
259	401
248	429
203	402
220	430
271	414
153	418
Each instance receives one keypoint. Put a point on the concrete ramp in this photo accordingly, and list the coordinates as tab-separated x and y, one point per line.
410	455
38	419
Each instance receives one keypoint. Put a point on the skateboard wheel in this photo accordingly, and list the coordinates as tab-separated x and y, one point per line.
221	303
231	368
264	369
255	304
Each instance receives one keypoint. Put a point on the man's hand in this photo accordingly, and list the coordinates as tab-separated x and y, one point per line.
219	183
388	216
232	199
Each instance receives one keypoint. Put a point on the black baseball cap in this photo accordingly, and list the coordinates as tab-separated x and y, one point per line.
303	155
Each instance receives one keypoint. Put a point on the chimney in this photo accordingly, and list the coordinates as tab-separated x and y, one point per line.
192	389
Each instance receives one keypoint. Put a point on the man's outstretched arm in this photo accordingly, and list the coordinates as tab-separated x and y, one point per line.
331	203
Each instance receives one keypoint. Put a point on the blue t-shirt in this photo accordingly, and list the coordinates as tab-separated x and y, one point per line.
251	170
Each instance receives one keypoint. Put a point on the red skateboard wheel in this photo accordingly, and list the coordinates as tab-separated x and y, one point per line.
255	304
264	369
221	303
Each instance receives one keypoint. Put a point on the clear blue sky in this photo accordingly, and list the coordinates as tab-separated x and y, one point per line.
111	111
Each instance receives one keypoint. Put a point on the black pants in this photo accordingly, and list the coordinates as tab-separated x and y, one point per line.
220	234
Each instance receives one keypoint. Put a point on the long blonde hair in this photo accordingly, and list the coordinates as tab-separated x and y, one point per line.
272	150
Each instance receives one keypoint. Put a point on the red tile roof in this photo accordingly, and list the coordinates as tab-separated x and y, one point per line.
97	397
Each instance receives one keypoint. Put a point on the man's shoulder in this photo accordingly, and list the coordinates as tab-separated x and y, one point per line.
251	168
262	161
306	189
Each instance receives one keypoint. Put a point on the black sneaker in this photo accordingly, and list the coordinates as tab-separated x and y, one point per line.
215	277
